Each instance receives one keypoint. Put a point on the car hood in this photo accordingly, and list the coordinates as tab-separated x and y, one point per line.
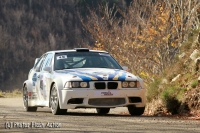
100	74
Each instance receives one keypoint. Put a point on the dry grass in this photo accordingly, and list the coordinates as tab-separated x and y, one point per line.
8	94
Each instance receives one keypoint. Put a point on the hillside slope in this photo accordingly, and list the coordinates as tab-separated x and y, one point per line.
177	90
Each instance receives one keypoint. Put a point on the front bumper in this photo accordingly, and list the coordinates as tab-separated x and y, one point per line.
102	95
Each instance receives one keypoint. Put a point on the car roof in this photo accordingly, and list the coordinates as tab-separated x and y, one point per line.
72	50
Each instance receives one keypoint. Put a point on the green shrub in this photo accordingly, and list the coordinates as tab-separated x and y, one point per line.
194	83
180	94
170	100
153	90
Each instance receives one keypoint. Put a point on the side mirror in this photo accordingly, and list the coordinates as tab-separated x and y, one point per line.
125	68
36	60
47	69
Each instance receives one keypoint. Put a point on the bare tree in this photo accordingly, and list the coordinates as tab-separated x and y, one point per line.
144	37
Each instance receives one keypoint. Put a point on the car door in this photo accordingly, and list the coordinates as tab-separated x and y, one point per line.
36	77
33	76
44	80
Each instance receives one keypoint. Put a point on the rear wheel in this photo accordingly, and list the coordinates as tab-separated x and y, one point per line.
25	101
103	110
136	111
54	102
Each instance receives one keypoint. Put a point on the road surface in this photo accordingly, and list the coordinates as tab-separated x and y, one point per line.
13	118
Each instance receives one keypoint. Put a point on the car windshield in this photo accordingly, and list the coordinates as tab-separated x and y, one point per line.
70	60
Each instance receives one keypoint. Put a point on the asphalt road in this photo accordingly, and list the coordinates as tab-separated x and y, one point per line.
14	119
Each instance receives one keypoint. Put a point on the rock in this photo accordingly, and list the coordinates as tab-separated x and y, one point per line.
196	42
182	55
174	79
199	79
197	63
164	81
195	54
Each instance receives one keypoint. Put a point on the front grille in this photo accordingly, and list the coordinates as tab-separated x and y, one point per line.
100	85
106	101
112	85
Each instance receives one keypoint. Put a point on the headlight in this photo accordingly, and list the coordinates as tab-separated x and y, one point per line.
130	84
83	84
124	84
76	84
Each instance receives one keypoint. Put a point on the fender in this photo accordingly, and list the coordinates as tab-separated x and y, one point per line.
29	85
59	86
30	88
141	82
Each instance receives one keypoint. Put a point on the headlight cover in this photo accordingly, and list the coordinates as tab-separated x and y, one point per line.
125	84
76	84
84	84
131	84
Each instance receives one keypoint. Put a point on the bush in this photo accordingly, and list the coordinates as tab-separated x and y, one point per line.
170	100
153	90
194	84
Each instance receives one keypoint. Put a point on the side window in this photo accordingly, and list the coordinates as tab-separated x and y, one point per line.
38	65
38	62
47	61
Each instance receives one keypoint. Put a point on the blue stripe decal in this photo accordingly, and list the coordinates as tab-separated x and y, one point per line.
122	77
111	76
80	74
34	78
96	76
84	78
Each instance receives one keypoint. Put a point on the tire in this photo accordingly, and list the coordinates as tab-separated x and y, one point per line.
54	102
134	111
103	110
25	101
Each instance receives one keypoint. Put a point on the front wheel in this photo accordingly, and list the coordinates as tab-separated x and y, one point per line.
25	100
54	102
103	110
136	111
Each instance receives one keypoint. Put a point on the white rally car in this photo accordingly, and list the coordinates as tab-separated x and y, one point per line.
82	78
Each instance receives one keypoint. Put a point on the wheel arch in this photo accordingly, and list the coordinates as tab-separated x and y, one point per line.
50	91
29	85
59	86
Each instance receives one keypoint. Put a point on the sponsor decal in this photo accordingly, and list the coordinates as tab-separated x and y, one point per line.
106	93
34	79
